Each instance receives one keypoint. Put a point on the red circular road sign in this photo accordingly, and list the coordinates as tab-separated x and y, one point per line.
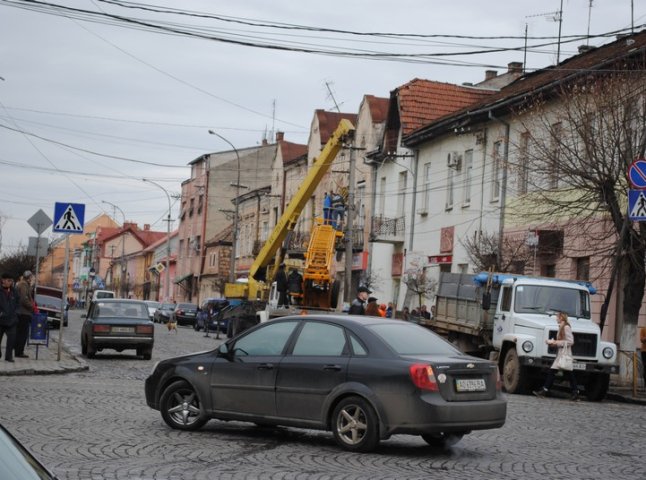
637	173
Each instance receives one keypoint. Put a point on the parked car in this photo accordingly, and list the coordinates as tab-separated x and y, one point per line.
119	324
163	313
17	463
209	314
185	314
363	378
49	300
152	307
240	316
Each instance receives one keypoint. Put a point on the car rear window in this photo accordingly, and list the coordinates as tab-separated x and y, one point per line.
410	339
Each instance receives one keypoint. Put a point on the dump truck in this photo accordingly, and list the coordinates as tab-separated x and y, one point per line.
508	318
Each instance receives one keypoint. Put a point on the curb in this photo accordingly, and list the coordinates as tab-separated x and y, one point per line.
618	397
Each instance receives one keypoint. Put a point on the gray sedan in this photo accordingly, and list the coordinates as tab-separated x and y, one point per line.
363	378
117	324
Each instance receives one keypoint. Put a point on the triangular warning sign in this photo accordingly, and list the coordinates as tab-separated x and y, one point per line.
69	221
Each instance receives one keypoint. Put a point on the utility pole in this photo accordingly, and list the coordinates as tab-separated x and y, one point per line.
349	230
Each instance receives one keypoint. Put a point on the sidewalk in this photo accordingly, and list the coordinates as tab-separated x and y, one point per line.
47	362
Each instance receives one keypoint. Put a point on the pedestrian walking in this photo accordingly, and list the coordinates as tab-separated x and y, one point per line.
389	310
424	313
382	310
25	310
281	286
564	341
8	315
358	305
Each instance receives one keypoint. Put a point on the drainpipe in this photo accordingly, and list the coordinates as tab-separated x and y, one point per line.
482	181
503	193
414	201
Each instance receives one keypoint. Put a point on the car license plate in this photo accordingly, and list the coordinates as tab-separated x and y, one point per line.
470	385
578	366
123	329
189	314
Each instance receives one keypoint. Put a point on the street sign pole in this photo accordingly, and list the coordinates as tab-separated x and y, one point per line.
64	302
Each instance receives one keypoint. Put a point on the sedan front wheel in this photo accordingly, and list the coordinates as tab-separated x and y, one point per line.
355	425
181	408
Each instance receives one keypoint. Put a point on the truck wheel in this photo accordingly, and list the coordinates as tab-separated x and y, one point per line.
597	386
514	376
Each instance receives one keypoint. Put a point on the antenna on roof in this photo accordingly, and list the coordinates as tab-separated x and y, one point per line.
555	17
331	95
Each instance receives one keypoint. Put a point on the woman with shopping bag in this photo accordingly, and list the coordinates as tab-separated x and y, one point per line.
564	360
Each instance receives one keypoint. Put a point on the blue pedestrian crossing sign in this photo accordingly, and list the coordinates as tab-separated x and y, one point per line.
69	217
637	205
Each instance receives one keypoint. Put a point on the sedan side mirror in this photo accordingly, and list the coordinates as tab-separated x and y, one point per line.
223	351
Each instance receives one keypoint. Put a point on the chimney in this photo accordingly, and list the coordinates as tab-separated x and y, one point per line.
280	136
515	67
146	227
585	48
489	74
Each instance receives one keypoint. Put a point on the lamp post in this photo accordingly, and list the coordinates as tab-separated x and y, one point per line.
232	276
123	241
167	276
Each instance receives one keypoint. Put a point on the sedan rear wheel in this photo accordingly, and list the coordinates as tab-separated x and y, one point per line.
181	408
90	350
442	439
355	425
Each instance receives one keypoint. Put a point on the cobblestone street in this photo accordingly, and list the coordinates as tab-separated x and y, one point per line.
95	424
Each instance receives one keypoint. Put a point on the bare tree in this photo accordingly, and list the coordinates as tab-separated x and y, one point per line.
419	284
16	263
483	252
575	148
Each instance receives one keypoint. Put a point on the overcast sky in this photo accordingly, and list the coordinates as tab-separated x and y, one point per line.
91	104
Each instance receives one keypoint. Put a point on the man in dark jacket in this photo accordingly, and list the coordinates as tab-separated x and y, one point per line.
358	306
281	286
295	286
8	317
25	309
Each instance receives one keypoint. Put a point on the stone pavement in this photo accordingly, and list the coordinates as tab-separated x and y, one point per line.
48	363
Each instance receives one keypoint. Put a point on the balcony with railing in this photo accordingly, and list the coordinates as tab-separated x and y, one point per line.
387	230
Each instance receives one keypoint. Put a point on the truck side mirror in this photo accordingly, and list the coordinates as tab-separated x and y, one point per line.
486	300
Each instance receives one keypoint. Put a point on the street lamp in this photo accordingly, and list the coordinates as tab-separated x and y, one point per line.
167	276
232	271
123	242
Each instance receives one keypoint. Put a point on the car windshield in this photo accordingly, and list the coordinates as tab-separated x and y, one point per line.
168	306
17	462
45	301
187	306
121	310
410	339
544	299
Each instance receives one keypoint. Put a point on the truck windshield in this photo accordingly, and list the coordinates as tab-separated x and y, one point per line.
546	299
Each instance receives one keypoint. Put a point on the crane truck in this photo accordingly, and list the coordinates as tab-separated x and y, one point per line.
509	317
319	287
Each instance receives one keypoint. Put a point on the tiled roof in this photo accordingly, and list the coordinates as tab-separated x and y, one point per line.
601	59
378	108
423	101
224	236
328	121
291	151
